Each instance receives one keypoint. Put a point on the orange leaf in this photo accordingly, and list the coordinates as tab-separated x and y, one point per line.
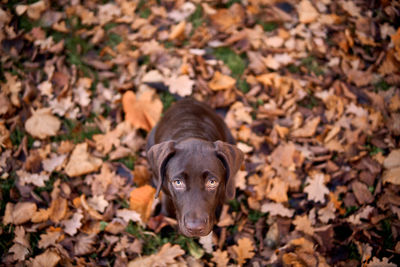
221	82
243	250
58	209
141	200
143	111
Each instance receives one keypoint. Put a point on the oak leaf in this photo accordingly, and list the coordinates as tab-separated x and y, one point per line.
128	215
307	12
243	250
165	257
141	201
275	209
277	190
98	202
181	85
142	111
221	82
49	239
20	252
42	124
32	178
72	225
316	189
81	162
303	224
13	86
220	258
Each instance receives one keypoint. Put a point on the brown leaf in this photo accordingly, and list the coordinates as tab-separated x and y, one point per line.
166	256
41	215
141	175
361	192
277	190
85	244
275	209
48	258
19	213
303	224
243	250
141	201
142	111
58	209
177	31
308	129
20	252
72	225
307	12
220	258
42	124
221	82
181	85
49	239
316	189
32	178
81	162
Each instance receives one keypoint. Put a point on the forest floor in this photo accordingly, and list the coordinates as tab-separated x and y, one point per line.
309	89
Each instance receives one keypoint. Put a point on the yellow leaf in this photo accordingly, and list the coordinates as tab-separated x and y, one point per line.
221	82
141	200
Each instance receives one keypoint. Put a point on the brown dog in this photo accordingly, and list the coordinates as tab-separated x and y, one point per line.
194	162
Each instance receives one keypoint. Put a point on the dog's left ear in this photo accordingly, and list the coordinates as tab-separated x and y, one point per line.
158	156
232	158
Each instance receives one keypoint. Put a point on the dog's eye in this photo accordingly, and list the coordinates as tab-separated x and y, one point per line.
212	184
178	184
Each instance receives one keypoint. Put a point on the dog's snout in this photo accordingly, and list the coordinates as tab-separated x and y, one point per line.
195	224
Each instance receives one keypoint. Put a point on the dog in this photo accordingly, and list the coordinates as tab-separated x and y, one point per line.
194	161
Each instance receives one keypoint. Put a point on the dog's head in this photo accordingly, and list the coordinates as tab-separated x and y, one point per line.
197	176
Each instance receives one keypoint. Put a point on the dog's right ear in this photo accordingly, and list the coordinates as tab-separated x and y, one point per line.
158	156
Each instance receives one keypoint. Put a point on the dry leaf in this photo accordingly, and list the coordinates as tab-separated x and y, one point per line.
380	263
207	242
72	225
142	111
303	224
181	85
41	215
308	129
177	31
141	201
307	12
54	162
58	209
19	213
221	82
128	215
81	162
21	245
85	244
165	257
32	178
98	202
49	239
243	250
392	165
277	190
220	258
275	209
48	258
20	252
361	192
316	189
42	124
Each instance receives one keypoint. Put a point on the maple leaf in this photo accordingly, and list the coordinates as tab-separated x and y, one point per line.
42	124
48	258
72	225
275	209
221	82
81	162
141	201
316	189
303	224
32	178
243	250
142	111
181	85
220	258
84	244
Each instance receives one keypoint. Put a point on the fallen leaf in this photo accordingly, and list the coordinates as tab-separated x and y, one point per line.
54	162
277	190
303	224
141	201
165	257
361	192
81	162
13	87
220	258
142	111
307	12
32	178
243	250
41	215
129	215
42	124
177	31
380	263
221	82
48	258
308	129
181	85
85	244
316	189
20	252
275	209
19	213
98	202
49	239
58	209
72	225
207	242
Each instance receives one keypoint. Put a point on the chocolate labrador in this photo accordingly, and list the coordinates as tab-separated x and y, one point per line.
194	162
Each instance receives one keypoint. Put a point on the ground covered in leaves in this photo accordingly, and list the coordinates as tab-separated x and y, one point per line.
310	90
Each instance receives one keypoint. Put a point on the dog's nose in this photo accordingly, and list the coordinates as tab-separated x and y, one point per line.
195	225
